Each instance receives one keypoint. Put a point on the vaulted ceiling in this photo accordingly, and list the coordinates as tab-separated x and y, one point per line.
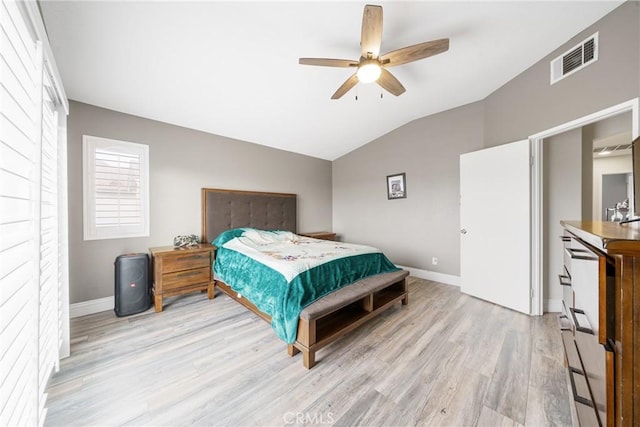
231	68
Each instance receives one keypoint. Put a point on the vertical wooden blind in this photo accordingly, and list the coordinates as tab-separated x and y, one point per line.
30	257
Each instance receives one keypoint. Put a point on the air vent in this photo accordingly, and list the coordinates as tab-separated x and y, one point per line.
575	59
622	149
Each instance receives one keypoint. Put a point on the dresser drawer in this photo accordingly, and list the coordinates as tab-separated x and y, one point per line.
586	415
180	279
593	356
582	399
585	282
571	255
186	262
570	349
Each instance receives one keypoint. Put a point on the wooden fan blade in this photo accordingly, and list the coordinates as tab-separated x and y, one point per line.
346	87
328	62
390	83
415	52
371	37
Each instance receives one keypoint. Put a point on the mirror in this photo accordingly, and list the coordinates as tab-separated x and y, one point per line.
612	168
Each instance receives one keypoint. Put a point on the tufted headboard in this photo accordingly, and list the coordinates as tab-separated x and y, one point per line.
226	209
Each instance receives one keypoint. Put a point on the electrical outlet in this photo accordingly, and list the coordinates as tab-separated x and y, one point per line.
434	261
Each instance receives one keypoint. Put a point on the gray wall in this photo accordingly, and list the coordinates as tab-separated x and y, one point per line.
181	162
425	224
587	173
411	230
529	104
562	164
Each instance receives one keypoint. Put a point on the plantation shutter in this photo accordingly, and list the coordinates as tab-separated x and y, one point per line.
19	225
49	259
116	189
117	182
33	243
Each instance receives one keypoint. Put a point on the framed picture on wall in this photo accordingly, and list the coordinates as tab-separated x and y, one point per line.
396	186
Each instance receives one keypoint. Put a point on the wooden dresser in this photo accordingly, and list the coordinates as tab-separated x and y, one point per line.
601	320
180	270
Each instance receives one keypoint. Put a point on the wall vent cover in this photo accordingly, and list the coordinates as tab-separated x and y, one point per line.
575	59
613	148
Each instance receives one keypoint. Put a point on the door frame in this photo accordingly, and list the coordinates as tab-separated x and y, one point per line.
537	235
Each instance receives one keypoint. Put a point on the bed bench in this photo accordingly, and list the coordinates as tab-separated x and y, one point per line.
338	313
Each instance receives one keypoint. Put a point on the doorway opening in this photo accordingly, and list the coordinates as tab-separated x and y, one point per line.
545	222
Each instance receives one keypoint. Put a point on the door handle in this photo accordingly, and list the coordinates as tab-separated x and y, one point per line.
463	231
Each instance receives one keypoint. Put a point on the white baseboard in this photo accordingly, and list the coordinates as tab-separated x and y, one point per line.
552	306
92	306
447	279
107	303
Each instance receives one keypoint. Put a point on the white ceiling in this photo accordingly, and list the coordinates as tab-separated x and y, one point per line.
231	68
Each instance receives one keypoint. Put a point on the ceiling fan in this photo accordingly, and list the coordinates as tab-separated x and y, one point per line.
372	67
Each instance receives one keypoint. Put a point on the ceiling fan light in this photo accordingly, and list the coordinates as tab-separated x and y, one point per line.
369	73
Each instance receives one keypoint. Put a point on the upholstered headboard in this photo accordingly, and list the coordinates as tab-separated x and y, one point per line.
226	209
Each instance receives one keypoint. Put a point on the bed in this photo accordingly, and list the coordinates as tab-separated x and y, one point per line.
311	314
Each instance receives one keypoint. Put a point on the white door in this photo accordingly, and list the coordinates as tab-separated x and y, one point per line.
495	212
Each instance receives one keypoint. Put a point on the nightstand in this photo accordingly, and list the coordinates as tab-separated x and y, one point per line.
177	271
322	235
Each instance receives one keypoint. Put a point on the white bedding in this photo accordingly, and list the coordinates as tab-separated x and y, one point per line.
291	254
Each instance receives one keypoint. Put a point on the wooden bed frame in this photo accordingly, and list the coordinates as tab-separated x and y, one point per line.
330	317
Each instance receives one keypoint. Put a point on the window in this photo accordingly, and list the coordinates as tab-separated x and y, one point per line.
116	189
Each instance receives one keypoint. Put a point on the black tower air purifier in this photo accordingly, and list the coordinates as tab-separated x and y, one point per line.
132	284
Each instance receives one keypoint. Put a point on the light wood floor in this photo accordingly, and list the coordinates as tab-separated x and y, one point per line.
445	359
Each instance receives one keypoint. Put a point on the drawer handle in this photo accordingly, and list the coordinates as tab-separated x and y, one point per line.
580	254
564	280
586	330
188	273
565	238
577	398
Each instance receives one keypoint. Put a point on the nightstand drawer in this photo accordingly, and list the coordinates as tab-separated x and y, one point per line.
180	279
177	271
186	261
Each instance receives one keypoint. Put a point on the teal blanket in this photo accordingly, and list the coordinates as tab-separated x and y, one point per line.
315	268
